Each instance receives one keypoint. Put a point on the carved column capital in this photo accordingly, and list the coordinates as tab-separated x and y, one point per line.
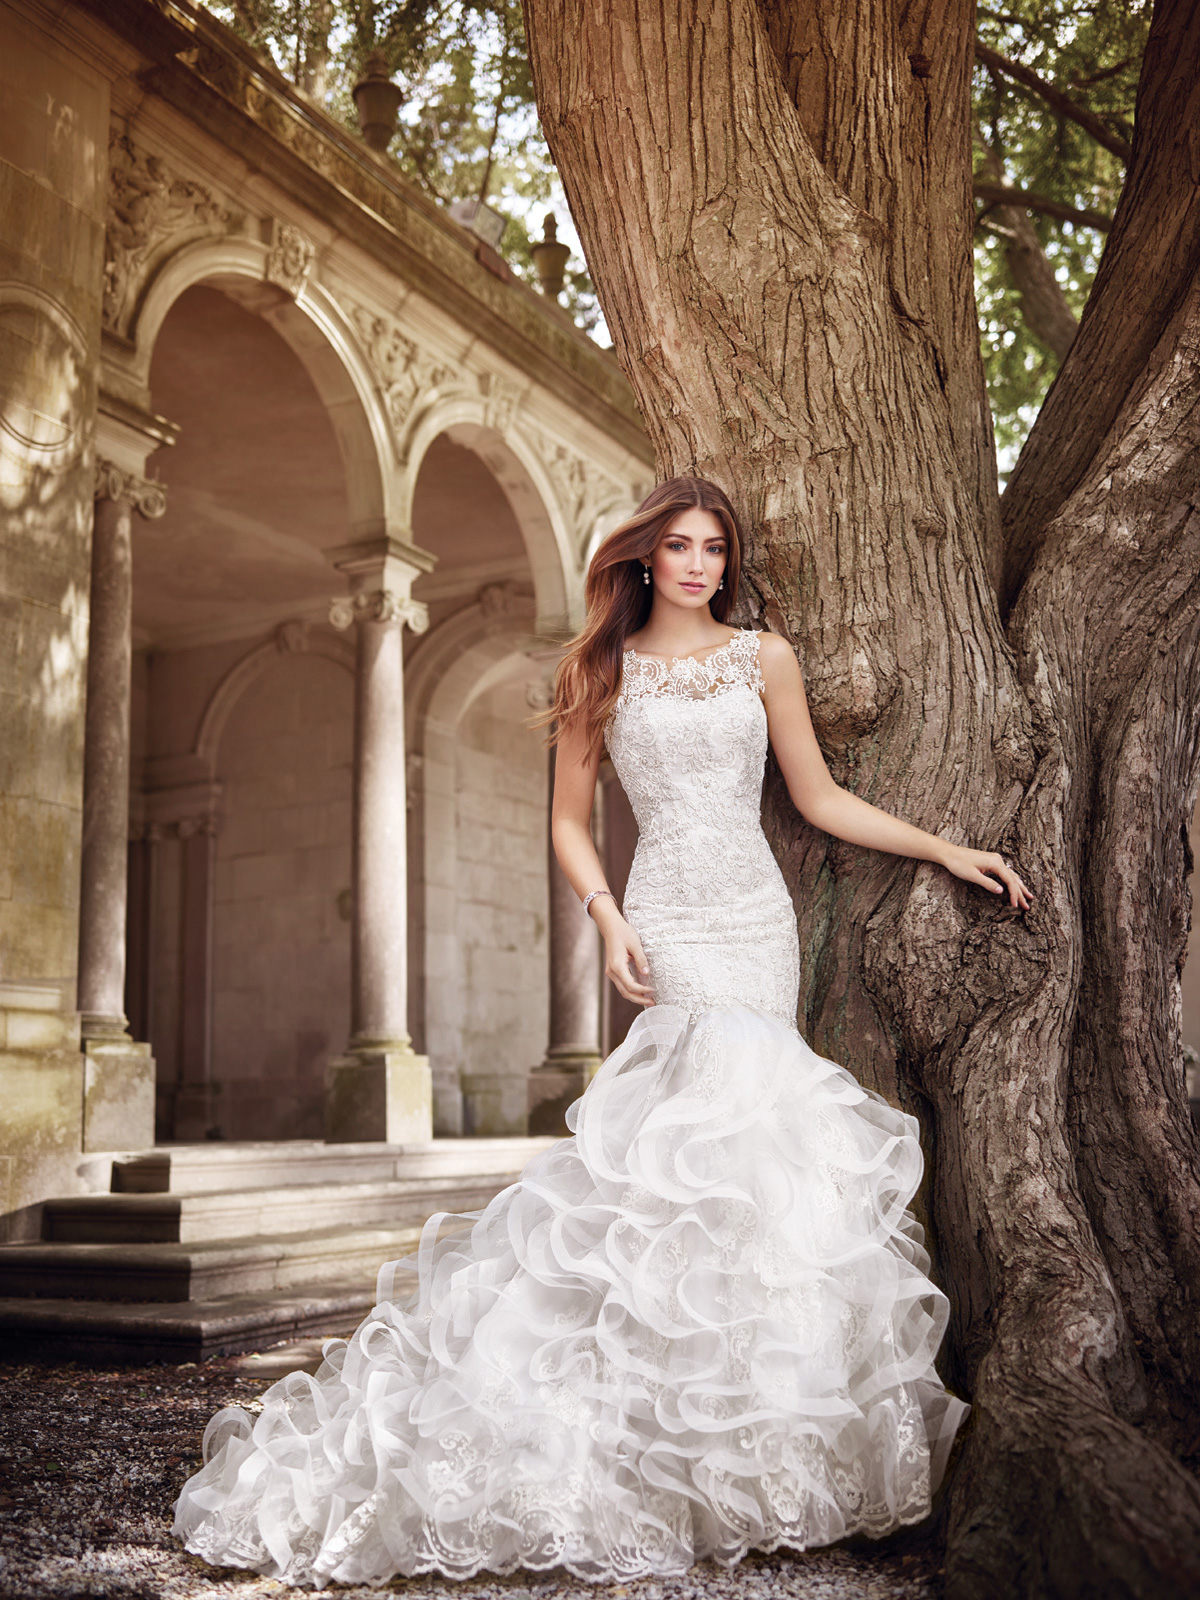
379	605
146	496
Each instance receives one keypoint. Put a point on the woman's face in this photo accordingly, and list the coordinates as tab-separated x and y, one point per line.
689	561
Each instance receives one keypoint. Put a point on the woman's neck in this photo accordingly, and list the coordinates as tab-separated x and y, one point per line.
671	631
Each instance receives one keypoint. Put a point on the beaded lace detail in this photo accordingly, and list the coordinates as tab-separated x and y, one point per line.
731	665
689	741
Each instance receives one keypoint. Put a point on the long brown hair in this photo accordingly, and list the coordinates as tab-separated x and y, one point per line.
618	601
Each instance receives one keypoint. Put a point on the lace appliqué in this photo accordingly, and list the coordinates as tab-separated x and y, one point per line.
689	743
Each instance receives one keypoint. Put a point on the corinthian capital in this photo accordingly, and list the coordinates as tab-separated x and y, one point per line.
144	495
379	605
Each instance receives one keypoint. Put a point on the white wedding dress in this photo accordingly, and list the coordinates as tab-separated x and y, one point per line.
701	1325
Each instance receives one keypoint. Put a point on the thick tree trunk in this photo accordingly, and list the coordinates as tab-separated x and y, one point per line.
776	206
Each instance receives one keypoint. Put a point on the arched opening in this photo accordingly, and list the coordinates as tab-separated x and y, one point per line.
281	912
479	955
243	714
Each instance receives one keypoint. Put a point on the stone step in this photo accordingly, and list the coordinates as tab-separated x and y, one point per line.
200	1168
203	1272
99	1333
190	1218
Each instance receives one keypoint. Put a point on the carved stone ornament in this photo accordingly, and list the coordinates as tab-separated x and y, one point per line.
501	400
291	638
539	694
145	495
408	377
290	259
147	202
584	492
501	599
379	605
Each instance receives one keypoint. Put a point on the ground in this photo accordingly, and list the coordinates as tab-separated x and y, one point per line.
91	1462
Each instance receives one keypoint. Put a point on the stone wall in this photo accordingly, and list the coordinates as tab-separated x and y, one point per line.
501	912
281	949
52	141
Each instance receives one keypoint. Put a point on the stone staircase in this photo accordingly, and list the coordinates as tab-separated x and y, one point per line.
216	1249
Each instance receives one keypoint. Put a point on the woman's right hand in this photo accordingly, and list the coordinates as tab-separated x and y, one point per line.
625	963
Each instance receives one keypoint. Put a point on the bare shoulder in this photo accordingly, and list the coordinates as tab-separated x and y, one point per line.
776	655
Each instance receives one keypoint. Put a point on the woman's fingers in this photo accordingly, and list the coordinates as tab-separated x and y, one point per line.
1018	894
625	969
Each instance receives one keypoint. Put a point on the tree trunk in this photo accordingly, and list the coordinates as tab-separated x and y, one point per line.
776	208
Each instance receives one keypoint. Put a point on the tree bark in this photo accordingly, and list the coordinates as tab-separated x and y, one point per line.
777	218
1148	266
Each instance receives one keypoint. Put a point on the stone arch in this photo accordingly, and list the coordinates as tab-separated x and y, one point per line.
314	326
450	669
516	466
290	636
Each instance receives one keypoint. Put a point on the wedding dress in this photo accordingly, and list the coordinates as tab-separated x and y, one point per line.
701	1325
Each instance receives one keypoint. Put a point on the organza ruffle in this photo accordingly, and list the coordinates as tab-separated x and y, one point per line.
699	1326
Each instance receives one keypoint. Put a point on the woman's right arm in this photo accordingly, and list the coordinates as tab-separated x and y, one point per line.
575	772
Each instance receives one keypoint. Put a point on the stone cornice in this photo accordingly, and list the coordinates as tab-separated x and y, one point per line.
212	79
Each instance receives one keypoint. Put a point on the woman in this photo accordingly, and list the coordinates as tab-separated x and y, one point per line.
702	1325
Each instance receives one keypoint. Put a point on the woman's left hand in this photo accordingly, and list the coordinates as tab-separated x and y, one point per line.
985	867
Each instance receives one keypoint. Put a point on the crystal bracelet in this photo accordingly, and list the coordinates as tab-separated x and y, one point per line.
593	895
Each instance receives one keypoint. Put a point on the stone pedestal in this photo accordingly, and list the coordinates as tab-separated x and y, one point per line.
118	1093
379	1088
573	1055
379	1093
495	1105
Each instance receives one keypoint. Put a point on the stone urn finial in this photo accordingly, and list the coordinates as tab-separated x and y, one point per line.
550	258
377	100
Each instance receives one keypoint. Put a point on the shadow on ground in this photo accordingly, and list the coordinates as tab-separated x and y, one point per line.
91	1463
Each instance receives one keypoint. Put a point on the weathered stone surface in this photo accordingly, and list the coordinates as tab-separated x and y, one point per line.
118	1095
385	1094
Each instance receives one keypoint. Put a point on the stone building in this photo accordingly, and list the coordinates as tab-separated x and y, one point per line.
299	485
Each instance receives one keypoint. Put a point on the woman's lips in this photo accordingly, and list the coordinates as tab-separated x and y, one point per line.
694	588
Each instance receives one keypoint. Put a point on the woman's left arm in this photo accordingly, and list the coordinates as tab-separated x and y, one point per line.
828	806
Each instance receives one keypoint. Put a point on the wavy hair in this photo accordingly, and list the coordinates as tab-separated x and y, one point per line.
588	679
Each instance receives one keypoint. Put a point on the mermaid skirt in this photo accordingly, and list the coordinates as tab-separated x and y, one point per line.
699	1326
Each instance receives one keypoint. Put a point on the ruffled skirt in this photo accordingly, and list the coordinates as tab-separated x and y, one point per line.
700	1326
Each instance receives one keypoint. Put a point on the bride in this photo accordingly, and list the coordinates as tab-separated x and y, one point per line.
703	1324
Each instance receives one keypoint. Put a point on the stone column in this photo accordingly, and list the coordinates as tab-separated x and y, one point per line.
119	1073
573	1054
379	1088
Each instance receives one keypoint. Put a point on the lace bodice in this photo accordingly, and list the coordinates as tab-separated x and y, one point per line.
688	739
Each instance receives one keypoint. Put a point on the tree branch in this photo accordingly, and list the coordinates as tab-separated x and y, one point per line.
1060	102
1148	267
1005	194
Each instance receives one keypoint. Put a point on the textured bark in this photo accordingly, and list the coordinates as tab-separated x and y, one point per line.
1147	269
776	206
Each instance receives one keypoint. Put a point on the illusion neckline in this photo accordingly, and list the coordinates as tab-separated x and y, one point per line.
694	661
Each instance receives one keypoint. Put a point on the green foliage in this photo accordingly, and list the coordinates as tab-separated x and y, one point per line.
469	126
1091	50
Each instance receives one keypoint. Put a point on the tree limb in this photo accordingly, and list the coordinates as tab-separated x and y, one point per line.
1006	194
1148	267
1060	102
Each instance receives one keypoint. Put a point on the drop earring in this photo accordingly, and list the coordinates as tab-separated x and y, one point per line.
645	574
721	585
